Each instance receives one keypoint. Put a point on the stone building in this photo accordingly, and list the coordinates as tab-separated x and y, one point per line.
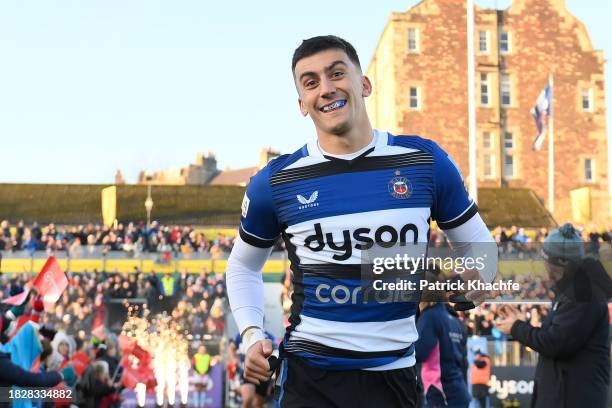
419	74
205	171
201	172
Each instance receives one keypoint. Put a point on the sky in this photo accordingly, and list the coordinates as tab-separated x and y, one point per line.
88	87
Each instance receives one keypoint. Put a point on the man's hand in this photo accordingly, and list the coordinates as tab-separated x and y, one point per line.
505	325
256	366
468	299
511	310
510	315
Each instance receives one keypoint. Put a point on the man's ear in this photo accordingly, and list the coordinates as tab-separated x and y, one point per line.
367	86
303	109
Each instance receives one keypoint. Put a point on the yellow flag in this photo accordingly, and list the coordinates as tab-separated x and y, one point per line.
109	205
581	204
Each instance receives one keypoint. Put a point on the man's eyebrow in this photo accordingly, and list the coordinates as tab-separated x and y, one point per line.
333	65
327	69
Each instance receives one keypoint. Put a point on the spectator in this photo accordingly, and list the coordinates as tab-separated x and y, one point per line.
96	386
201	360
573	341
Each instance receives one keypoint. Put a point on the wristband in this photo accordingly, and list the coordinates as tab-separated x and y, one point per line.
251	336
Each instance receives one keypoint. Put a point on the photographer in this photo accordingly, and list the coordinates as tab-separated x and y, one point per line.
573	345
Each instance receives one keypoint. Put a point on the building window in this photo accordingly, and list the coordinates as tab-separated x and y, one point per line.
504	42
588	170
506	86
488	165
415	98
508	165
413	39
508	141
484	89
587	100
483	41
487	141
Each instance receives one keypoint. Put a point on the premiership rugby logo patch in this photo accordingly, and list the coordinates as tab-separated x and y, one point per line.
245	206
400	187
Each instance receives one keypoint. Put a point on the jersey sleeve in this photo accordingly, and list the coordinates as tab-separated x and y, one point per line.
258	222
452	204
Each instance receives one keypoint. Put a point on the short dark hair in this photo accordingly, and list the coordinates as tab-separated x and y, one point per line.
315	45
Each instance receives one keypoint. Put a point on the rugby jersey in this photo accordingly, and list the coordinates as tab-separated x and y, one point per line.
328	210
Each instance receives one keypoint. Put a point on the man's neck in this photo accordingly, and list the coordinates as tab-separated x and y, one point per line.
351	142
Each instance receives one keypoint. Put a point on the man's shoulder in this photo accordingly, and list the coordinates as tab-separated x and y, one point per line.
414	142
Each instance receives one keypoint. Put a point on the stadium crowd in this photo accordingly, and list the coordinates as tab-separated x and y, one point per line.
134	238
77	326
131	238
197	302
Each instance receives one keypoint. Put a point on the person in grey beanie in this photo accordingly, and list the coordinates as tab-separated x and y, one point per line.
573	345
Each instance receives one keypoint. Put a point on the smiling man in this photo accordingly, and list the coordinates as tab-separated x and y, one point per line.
330	201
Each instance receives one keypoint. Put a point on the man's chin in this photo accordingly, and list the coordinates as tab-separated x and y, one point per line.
340	129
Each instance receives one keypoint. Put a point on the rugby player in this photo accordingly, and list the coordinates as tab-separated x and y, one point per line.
329	201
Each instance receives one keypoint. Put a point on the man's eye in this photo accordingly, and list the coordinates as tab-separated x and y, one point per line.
310	84
338	74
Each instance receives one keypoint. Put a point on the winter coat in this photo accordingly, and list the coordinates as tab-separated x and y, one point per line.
574	348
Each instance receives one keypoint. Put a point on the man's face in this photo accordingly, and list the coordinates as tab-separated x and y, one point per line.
555	272
331	89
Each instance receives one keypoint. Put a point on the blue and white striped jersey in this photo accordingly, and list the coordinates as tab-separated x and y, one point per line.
328	210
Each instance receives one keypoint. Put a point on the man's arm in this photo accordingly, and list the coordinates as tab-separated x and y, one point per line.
259	230
246	295
13	374
245	284
472	239
457	215
571	326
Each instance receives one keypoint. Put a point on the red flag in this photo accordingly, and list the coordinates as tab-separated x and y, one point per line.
143	356
98	331
80	360
151	381
18	299
51	281
143	374
130	377
147	376
99	320
126	344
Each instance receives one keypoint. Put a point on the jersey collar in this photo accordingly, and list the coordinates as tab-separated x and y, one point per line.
380	140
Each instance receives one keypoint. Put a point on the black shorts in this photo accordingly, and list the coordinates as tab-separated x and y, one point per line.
300	385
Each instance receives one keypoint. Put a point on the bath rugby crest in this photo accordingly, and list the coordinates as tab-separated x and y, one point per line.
400	187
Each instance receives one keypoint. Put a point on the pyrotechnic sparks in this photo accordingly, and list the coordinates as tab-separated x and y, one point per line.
166	342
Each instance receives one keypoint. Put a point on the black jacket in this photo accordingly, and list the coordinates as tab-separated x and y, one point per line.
574	352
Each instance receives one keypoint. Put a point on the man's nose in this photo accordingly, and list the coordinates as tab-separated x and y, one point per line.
327	87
